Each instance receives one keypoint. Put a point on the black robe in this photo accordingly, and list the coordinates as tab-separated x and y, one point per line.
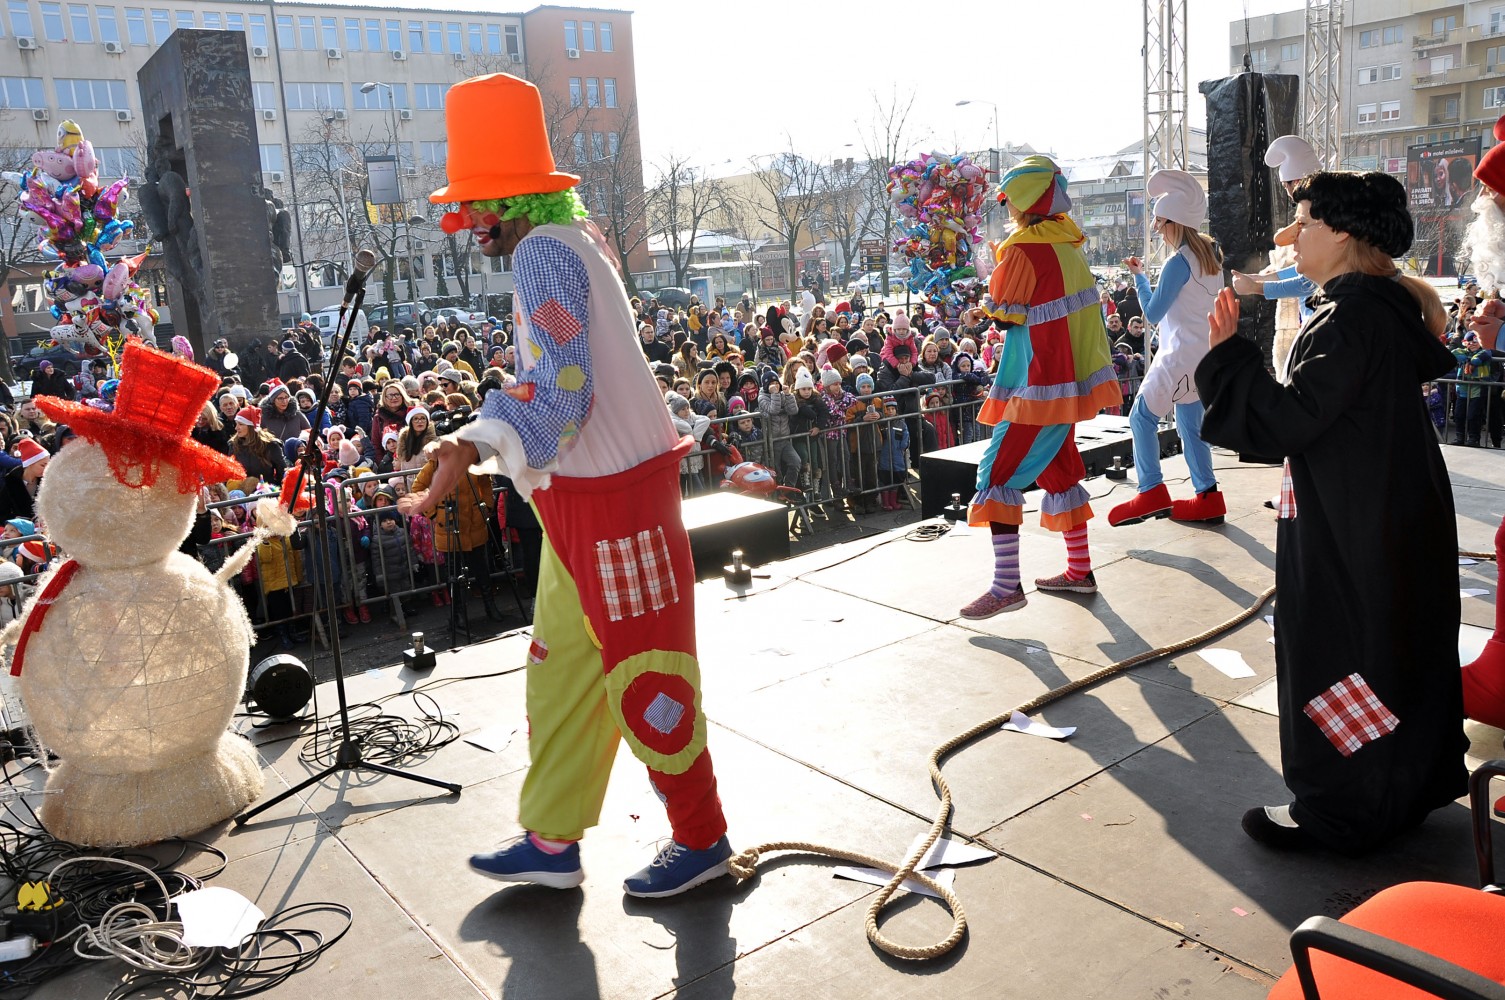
1367	571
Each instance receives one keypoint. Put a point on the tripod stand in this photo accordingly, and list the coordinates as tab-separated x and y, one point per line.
459	579
348	756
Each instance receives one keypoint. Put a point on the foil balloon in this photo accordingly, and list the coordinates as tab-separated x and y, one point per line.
938	203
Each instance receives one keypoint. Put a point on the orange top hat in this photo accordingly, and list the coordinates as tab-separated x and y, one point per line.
498	144
160	399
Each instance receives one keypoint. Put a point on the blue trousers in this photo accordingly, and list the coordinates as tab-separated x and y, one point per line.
1145	427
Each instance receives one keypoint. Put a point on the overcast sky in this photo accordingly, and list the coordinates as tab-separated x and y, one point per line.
723	81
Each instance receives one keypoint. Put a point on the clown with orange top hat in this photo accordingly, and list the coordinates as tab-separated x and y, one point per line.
613	653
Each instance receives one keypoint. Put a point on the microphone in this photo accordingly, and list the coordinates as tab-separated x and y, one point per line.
364	261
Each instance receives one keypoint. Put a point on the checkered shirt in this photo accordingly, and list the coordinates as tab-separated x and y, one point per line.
1350	715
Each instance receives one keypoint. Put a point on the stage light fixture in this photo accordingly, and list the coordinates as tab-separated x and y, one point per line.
280	686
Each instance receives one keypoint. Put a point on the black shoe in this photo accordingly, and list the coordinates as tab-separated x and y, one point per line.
1262	829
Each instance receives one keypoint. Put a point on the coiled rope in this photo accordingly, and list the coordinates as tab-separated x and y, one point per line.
745	863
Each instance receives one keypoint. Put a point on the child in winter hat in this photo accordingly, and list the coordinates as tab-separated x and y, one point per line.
899	332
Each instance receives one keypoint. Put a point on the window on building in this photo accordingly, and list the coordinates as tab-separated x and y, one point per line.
118	161
598	145
415	36
1494	56
435	154
185	19
80	23
1369	39
429	96
329	32
380	99
258	32
394	36
436	36
613	143
592	93
1368	74
286	37
452	36
313	96
235	22
1290	52
265	95
1390	111
477	37
1368	114
1494	97
271	157
514	43
91	95
1441	64
588	36
109	26
609	91
1259	57
135	25
353	34
308	38
52	22
579	141
20	19
212	21
373	34
494	38
1394	34
571	35
1391	71
21	92
576	96
605	28
1441	24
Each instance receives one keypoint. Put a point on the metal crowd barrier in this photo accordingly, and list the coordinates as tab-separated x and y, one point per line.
1479	418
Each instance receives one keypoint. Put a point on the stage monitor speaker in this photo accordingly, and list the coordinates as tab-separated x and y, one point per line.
1245	201
280	686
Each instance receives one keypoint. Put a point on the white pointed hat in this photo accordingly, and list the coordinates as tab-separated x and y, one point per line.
1178	197
1294	157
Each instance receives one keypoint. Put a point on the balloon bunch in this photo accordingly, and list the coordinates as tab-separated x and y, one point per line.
96	305
938	201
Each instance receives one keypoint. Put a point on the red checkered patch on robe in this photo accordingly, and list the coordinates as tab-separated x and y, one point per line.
557	321
1286	509
636	575
1350	715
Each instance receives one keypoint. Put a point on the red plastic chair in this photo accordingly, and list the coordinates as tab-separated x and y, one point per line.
1414	940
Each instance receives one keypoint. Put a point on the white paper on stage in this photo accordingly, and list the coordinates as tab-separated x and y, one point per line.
1230	662
1024	724
873	876
493	738
217	917
1473	592
946	852
1465	561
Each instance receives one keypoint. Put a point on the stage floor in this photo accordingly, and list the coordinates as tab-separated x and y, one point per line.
1118	867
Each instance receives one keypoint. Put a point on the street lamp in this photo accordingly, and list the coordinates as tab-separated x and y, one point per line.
367	88
996	155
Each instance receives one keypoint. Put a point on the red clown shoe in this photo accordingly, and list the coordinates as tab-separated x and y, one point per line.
1207	508
1153	502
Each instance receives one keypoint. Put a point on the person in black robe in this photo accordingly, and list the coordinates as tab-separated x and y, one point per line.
1366	626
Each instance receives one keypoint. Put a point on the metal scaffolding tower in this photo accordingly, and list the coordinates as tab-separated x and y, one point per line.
1322	86
1165	101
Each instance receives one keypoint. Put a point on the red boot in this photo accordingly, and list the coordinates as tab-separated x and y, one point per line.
1153	502
1208	508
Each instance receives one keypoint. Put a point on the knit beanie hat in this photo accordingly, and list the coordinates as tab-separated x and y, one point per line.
829	376
860	361
349	454
290	450
803	380
900	326
676	402
864	383
736	405
835	352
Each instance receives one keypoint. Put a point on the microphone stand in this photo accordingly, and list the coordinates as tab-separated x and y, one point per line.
348	756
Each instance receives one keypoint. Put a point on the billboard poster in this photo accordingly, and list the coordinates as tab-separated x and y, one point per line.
1134	207
1440	189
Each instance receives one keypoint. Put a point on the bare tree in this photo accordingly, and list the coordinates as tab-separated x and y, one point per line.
887	138
792	185
680	203
847	209
18	236
619	178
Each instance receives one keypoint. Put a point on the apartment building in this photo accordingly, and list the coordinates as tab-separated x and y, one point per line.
332	84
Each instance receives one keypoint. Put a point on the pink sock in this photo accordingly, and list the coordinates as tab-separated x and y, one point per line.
1078	560
549	846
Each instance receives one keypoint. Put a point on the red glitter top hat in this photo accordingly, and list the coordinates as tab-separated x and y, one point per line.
158	403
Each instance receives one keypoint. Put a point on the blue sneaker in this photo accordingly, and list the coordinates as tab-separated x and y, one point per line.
523	861
677	869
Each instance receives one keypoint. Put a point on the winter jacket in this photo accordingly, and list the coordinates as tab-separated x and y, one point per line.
889	380
279	564
776	408
391	560
283	426
893	451
749	443
470	505
808	413
292	365
359	412
837	407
